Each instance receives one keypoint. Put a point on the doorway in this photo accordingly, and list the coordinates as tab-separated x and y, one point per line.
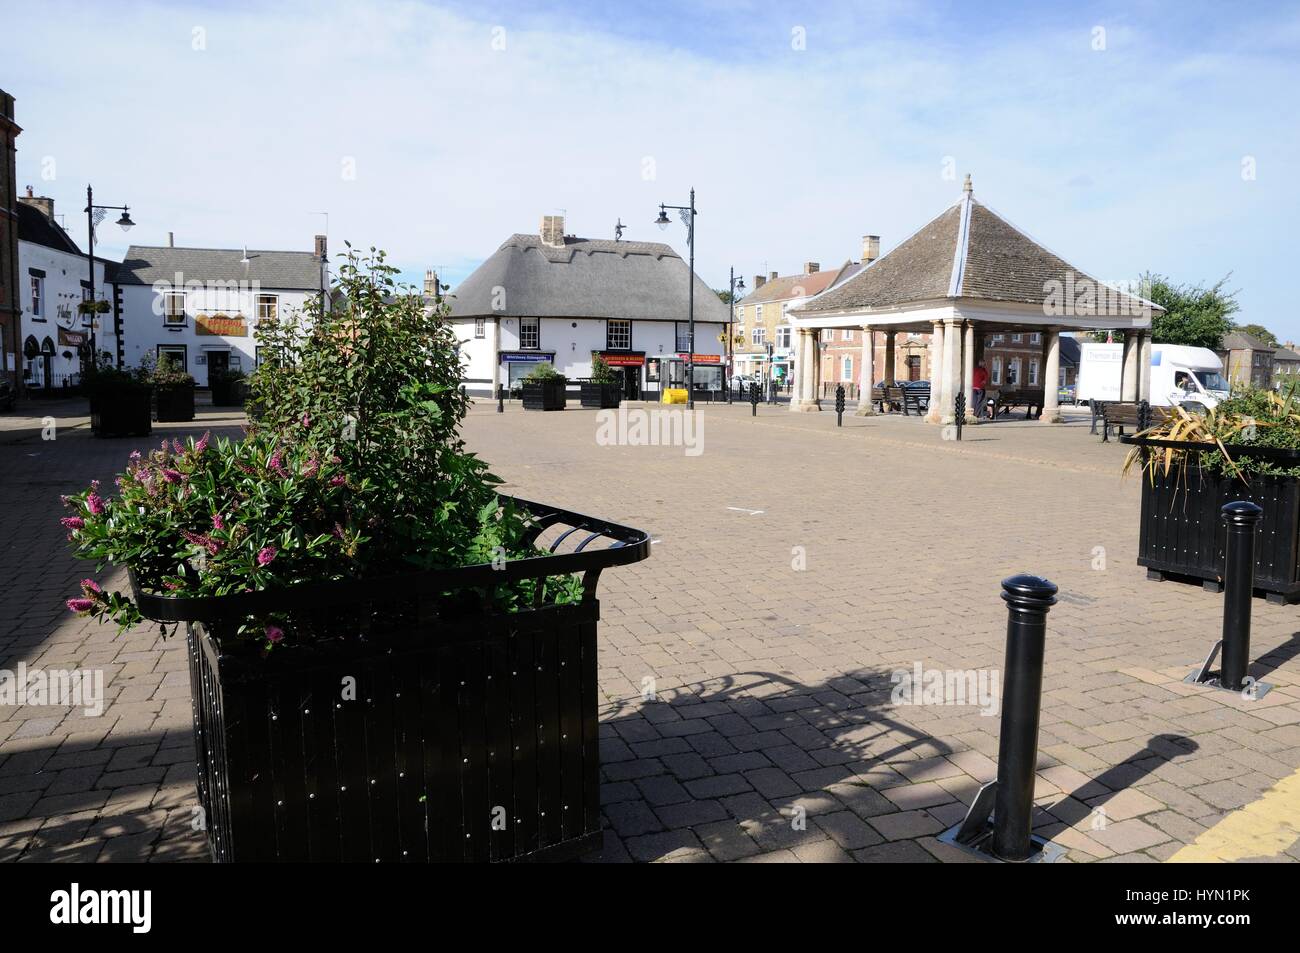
914	367
631	382
218	364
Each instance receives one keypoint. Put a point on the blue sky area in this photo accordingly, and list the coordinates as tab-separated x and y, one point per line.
1125	136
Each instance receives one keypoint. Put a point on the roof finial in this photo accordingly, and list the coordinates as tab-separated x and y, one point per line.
967	187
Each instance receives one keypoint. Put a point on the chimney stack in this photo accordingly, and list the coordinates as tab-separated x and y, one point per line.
321	249
171	240
430	283
759	281
811	267
772	276
870	248
552	232
42	202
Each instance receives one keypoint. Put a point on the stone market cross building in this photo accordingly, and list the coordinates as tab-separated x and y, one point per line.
962	277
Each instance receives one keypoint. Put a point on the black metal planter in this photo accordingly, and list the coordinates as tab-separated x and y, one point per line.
229	393
545	395
175	403
122	412
601	396
1182	534
449	732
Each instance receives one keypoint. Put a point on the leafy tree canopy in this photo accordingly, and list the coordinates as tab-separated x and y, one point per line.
1193	315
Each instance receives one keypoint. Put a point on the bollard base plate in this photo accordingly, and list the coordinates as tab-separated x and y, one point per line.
1254	692
981	846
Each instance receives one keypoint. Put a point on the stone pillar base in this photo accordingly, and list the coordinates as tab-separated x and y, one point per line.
1050	417
865	410
971	421
932	417
801	405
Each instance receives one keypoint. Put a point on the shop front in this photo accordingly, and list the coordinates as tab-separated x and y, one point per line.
518	364
626	366
669	371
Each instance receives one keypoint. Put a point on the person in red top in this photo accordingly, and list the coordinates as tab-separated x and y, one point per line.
979	379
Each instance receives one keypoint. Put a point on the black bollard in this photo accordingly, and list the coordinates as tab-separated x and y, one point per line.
839	406
959	412
753	400
501	399
1241	518
1028	599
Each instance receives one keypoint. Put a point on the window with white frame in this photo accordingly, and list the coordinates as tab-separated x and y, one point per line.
1035	338
997	337
846	334
178	354
618	335
38	295
846	371
1013	372
174	308
480	328
759	335
997	370
783	336
1033	372
1015	338
268	306
682	337
758	314
1060	378
530	333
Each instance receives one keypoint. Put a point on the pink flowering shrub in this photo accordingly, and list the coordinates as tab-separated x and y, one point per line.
355	470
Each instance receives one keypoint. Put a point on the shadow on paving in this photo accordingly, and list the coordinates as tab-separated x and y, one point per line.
745	748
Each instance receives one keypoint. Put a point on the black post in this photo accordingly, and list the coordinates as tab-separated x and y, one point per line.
1238	586
753	399
959	412
839	405
1028	599
501	399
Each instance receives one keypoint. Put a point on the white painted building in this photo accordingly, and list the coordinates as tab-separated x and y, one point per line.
201	305
54	281
562	300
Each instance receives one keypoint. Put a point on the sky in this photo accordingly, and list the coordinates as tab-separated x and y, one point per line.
1127	137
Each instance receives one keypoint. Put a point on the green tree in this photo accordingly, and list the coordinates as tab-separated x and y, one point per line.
724	294
1258	331
1193	315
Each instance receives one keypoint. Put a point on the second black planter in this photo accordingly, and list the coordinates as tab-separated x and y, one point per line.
601	395
122	412
175	403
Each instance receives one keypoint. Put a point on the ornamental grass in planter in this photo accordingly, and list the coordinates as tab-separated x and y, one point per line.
389	661
545	388
1248	448
603	390
173	391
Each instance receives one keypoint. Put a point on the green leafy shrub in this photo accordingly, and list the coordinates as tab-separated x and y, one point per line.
601	372
166	374
544	372
354	470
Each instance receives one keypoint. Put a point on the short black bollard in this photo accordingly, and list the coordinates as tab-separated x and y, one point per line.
1028	599
839	406
501	399
1241	518
959	412
753	400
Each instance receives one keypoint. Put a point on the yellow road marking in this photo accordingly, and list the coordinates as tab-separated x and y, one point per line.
1263	828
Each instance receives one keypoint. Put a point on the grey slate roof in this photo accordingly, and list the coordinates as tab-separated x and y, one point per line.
587	278
284	270
35	227
989	259
1241	341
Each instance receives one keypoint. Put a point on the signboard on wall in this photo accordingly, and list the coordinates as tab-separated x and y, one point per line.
622	359
221	325
702	358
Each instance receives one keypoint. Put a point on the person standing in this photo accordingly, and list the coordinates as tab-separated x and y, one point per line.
979	379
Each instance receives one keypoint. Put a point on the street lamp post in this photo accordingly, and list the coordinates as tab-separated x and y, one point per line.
92	220
736	283
662	222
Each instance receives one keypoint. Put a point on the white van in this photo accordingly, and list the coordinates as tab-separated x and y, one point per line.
1189	376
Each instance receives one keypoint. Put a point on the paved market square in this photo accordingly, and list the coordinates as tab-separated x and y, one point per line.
748	668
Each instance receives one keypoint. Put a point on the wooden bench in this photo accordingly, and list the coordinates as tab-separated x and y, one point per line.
1029	398
917	397
1121	414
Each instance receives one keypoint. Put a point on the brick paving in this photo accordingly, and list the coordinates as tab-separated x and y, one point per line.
746	704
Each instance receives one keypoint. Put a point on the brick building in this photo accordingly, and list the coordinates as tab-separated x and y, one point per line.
10	289
1247	361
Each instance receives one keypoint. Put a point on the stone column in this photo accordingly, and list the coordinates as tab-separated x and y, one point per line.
814	346
809	367
968	373
938	382
800	368
1129	371
866	373
952	363
889	356
1051	374
1144	366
